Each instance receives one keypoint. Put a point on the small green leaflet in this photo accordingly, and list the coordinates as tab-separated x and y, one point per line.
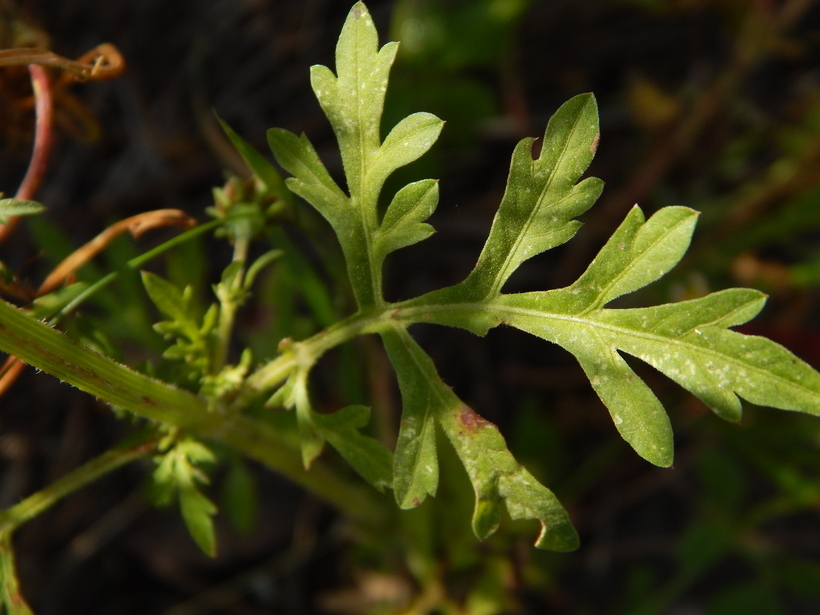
415	462
369	457
17	207
178	472
403	223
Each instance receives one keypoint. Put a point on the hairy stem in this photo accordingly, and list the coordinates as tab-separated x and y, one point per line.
55	353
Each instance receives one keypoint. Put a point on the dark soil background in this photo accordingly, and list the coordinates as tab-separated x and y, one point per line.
699	101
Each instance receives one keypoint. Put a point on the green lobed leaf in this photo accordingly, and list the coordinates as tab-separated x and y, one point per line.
353	101
638	253
635	410
687	341
496	476
369	457
690	342
177	471
542	196
312	182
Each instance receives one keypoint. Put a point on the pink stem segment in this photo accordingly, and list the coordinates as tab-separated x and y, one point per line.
43	137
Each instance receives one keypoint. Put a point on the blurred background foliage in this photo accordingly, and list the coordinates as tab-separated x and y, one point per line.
712	104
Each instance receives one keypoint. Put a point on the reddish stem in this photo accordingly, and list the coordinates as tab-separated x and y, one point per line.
43	107
43	137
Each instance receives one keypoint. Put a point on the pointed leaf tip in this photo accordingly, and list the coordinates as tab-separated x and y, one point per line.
359	10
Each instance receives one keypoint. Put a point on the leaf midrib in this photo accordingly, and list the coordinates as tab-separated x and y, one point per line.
358	200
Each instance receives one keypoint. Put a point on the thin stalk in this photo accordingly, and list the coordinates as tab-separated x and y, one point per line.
304	354
10	587
109	461
230	303
134	263
43	137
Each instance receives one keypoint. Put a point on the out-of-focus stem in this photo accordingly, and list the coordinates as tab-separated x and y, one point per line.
8	581
102	62
43	137
109	461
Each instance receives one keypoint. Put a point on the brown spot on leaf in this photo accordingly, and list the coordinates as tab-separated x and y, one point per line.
471	420
358	11
415	501
594	146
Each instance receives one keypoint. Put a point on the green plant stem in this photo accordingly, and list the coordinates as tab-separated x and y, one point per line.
55	353
227	314
304	354
11	598
109	461
230	304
